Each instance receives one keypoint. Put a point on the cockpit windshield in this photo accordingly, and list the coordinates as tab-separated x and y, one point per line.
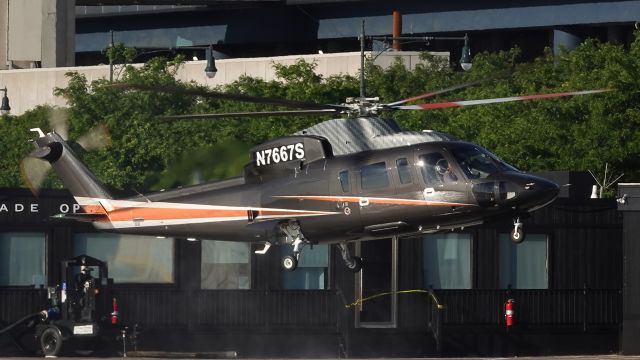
478	163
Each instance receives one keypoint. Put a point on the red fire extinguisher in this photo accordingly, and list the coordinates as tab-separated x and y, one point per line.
114	314
509	312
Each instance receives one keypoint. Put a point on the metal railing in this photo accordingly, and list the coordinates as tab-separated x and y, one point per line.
435	315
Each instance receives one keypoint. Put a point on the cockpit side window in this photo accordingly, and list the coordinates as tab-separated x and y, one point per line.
344	181
478	163
435	169
374	176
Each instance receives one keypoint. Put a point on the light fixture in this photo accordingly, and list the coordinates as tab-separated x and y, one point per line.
5	108
465	59
210	70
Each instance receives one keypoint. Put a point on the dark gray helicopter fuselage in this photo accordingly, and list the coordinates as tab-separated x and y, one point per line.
297	182
363	196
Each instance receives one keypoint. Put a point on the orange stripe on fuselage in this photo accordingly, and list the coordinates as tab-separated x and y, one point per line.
129	213
93	209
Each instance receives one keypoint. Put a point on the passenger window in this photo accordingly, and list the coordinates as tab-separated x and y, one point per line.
404	172
374	176
435	169
344	181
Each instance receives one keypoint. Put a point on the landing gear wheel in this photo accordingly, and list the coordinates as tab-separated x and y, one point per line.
356	264
289	263
51	341
517	234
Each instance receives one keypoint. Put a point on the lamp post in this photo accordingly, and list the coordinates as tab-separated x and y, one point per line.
5	108
210	70
465	59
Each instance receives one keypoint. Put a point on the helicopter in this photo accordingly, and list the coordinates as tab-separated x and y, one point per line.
343	180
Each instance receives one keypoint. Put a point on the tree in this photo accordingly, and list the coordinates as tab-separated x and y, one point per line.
578	133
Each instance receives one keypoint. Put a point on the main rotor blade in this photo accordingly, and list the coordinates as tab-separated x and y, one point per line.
436	92
442	105
228	96
318	112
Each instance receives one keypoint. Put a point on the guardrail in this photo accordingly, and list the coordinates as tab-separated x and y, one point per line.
320	308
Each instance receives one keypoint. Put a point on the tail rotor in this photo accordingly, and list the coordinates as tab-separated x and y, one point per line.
35	168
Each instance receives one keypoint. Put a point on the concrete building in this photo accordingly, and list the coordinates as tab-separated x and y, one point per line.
50	33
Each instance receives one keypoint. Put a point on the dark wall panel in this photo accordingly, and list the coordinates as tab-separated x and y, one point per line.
586	257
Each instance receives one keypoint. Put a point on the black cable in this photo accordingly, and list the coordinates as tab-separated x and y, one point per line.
18	322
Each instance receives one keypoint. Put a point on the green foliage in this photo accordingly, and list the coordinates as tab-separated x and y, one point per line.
579	133
14	132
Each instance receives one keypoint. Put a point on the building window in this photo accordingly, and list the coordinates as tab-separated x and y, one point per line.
524	265
130	258
447	261
344	181
404	172
22	259
311	273
225	265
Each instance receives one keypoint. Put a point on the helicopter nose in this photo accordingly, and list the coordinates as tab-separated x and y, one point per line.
520	191
531	192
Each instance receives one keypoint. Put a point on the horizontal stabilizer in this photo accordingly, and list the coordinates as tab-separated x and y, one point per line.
80	217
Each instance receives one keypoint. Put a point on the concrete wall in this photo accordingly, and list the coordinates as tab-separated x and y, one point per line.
40	33
28	88
4	33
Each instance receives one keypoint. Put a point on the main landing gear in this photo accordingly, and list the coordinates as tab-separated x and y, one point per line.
294	237
517	234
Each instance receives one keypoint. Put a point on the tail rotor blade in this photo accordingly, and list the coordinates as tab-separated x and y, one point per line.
34	171
442	105
58	120
95	139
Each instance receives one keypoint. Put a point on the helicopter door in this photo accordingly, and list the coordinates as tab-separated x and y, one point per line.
342	188
377	194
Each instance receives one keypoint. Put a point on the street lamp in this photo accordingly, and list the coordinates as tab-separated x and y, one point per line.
5	108
210	70
465	59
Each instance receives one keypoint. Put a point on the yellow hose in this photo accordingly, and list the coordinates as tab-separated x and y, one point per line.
421	291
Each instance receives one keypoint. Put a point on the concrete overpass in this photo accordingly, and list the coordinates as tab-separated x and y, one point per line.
49	33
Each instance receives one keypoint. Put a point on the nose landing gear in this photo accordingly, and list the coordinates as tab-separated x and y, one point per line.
517	234
353	263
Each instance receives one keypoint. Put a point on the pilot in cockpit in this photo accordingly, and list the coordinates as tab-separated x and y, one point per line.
445	171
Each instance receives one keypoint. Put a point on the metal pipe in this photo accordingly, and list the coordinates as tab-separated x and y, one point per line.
362	90
397	30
